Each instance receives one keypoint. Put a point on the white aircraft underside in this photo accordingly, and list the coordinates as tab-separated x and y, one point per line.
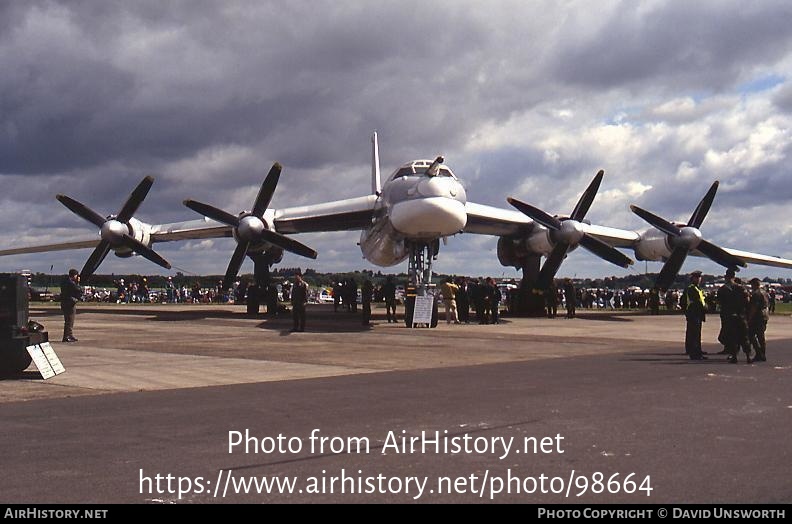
420	203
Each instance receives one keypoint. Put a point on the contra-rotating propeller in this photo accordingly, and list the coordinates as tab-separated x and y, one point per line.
685	239
250	227
570	232
115	229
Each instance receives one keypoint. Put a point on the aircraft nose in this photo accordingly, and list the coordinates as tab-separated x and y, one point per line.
439	187
430	217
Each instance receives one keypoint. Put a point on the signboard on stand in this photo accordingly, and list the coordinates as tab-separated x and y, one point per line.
422	314
45	359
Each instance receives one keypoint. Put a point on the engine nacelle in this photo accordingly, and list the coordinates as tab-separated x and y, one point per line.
515	251
139	231
539	242
653	245
249	230
511	252
381	245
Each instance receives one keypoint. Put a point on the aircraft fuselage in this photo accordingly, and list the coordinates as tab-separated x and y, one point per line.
416	207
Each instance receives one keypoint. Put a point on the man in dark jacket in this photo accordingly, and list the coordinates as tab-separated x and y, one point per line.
71	293
757	319
733	303
299	299
570	297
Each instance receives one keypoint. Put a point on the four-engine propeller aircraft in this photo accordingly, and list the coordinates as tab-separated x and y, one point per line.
405	218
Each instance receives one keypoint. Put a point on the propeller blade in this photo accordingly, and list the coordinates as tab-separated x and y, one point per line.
144	251
287	243
537	214
82	211
135	199
703	208
587	197
551	265
235	264
99	254
267	189
720	255
671	268
212	212
605	251
660	223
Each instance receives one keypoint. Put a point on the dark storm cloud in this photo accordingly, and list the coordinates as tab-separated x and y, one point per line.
145	82
705	45
526	174
205	95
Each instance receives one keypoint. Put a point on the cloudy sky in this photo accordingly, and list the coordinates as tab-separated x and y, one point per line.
524	99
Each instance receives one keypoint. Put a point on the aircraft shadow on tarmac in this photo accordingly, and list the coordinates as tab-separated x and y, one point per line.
23	375
156	315
675	358
607	317
320	319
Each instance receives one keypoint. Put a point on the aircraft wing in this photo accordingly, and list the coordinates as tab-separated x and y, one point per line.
194	229
191	230
78	244
489	220
340	215
755	258
614	237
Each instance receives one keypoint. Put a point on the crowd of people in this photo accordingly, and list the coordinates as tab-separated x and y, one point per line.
461	294
743	312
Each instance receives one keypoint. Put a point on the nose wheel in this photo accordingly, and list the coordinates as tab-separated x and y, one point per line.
420	273
420	265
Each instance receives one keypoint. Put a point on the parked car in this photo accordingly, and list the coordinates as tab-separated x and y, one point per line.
41	295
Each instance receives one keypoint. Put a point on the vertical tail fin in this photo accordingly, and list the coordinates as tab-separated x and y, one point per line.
376	184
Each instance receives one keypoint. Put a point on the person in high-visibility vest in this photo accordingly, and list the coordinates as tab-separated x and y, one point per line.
695	313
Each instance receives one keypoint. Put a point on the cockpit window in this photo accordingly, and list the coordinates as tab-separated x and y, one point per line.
418	170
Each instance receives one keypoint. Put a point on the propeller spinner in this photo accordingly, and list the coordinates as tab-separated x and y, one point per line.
687	238
115	230
570	232
250	227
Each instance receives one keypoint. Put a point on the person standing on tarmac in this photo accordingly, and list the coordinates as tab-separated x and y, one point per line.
366	295
732	306
551	299
493	301
742	324
389	294
449	291
463	301
654	301
757	320
570	297
695	314
299	299
71	293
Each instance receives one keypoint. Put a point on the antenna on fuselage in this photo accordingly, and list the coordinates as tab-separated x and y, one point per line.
376	185
434	169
